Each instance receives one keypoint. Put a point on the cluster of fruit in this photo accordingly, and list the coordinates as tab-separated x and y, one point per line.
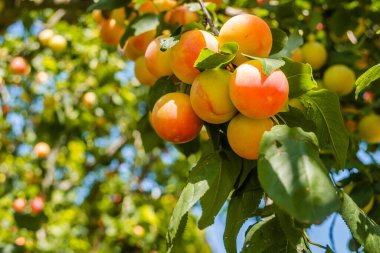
36	205
246	98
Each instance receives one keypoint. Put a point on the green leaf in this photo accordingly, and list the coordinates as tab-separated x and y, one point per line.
300	77
295	118
366	79
279	40
108	4
363	228
268	65
329	250
190	147
248	166
292	231
220	189
243	205
323	108
149	137
292	174
294	41
266	236
201	178
161	87
141	24
209	59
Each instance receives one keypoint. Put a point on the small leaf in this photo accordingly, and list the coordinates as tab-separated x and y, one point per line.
300	77
209	59
295	118
243	205
268	65
323	108
201	178
171	41
267	236
219	191
141	24
279	40
366	79
108	4
291	172
294	41
363	228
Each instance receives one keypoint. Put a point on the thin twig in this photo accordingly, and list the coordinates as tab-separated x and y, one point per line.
208	18
311	242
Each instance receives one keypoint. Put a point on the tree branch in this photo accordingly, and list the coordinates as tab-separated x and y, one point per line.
208	18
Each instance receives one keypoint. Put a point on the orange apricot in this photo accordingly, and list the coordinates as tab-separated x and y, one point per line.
135	46
184	54
157	61
174	119
209	96
142	73
251	33
119	15
148	7
98	16
164	5
257	95
111	32
244	135
180	15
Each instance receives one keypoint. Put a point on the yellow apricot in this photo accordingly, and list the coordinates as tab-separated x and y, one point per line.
157	61
369	129
244	135
210	98
315	54
142	73
339	79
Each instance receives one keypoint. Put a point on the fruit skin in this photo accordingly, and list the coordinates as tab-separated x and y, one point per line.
164	5
45	36
89	99
369	129
37	205
251	33
174	119
19	66
244	135
184	54
157	62
255	95
135	46
119	15
180	15
111	32
58	43
142	73
315	54
209	96
98	16
19	205
339	79
42	149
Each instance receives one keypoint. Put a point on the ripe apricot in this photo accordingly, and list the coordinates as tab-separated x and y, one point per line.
256	95
135	46
315	54
174	119
339	79
37	205
89	99
251	33
58	43
210	98
98	16
164	5
244	135
119	15
180	15
19	204
148	7
111	32
157	61
184	54
142	73
44	36
19	66
42	149
369	129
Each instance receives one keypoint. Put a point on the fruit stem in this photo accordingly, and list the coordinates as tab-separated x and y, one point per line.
208	18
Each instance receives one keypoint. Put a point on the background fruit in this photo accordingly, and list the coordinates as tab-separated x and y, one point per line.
37	204
244	135
210	98
142	73
339	79
44	36
245	29
89	99
180	16
19	204
42	149
19	66
369	129
174	120
315	54
111	32
58	43
135	46
255	95
157	61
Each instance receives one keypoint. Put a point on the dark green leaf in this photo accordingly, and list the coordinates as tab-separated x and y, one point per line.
363	228
201	178
323	108
209	59
295	117
219	191
189	148
243	205
366	79
142	24
108	4
294	41
266	236
279	40
268	65
300	77
291	172
329	250
248	166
